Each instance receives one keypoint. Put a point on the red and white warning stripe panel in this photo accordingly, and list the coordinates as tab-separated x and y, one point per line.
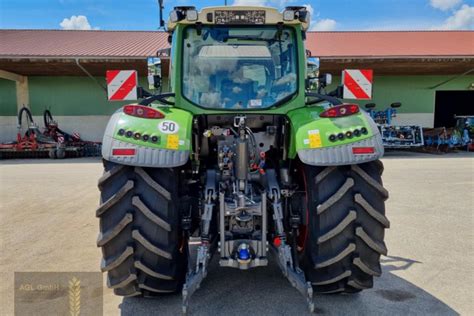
357	84
121	85
76	136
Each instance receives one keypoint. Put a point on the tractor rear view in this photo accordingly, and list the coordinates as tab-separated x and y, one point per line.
241	161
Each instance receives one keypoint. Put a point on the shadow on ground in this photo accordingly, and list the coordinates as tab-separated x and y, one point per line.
267	292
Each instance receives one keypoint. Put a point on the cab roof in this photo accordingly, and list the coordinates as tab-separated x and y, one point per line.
237	15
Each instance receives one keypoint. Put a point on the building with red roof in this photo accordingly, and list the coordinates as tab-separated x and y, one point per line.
430	72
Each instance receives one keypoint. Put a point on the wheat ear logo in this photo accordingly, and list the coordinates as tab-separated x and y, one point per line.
74	297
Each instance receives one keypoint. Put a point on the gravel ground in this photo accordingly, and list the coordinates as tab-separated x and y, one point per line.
47	223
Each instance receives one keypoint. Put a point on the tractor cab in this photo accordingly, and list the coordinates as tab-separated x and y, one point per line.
237	58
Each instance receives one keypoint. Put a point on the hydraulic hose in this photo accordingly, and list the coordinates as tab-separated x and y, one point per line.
47	118
29	117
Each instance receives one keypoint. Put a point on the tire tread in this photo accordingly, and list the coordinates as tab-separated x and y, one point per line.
139	230
346	213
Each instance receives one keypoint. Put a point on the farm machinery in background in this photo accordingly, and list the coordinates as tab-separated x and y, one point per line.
464	131
443	139
52	142
395	136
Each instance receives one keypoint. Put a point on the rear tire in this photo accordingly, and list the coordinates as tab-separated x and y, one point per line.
346	223
139	230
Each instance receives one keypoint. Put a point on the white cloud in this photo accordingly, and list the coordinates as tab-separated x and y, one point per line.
324	25
259	3
444	4
310	8
462	19
79	22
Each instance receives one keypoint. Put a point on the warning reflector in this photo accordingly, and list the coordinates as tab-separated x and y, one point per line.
357	84
121	85
363	150
123	151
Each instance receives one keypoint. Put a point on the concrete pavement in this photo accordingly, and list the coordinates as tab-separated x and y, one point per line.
47	223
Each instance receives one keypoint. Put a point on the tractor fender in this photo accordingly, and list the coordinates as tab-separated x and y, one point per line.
143	142
313	147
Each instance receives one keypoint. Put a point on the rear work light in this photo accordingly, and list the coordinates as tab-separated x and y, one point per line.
142	111
340	110
363	150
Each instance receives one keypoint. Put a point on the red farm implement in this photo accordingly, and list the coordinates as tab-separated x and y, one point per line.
52	142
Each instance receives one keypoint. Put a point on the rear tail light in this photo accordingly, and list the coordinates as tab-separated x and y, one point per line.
142	111
340	110
123	152
363	150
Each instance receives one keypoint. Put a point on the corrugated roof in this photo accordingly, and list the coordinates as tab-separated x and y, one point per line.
139	44
392	44
99	44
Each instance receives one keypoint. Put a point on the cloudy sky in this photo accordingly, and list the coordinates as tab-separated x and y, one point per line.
327	15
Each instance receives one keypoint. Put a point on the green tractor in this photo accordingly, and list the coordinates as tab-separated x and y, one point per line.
242	161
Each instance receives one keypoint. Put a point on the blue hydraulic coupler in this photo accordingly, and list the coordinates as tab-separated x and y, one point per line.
243	253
